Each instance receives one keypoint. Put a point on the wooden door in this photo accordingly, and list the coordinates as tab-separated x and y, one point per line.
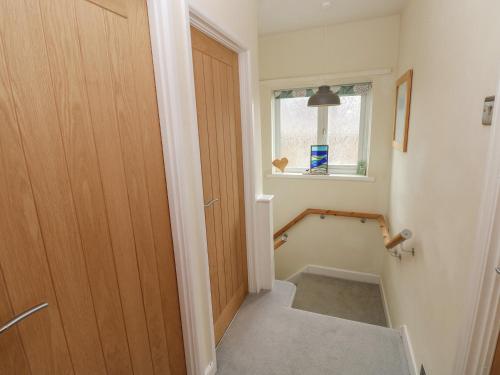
219	124
495	367
84	221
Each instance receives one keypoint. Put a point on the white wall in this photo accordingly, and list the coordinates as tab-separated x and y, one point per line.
345	48
348	47
454	48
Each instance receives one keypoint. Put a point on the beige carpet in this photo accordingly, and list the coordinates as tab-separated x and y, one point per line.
268	337
345	299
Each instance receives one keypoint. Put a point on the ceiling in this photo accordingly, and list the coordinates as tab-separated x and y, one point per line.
287	15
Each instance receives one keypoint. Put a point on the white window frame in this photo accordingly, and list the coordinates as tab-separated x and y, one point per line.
322	136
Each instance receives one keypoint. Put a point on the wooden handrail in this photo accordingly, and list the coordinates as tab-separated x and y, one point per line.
278	243
389	241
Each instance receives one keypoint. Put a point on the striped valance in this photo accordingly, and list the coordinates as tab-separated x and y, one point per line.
341	90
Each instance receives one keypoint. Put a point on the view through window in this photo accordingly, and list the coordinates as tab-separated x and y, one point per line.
343	128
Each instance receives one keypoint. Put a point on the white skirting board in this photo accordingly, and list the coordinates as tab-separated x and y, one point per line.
410	355
346	275
386	305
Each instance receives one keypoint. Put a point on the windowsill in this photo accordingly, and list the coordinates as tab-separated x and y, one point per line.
338	177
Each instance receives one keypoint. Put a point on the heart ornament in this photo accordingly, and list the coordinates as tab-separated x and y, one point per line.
281	164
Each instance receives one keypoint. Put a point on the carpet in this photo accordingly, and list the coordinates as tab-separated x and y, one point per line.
268	337
346	299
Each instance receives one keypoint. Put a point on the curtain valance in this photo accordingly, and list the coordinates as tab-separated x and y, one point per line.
341	90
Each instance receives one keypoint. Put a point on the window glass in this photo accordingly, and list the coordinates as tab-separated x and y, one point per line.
298	131
343	128
343	131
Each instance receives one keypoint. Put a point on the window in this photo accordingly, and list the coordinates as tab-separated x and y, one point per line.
344	128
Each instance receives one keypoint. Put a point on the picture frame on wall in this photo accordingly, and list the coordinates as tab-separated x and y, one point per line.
402	112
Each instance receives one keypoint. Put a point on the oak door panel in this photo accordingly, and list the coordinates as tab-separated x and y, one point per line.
85	222
208	190
19	230
218	260
35	104
108	149
232	183
15	360
83	168
154	167
130	137
220	114
217	96
227	155
237	165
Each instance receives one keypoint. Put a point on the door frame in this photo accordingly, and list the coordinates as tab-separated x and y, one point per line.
169	23
477	347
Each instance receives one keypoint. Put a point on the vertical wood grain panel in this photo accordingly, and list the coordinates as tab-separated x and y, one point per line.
14	359
239	166
230	174
221	157
214	172
98	79
156	180
217	94
19	229
85	223
76	129
234	166
94	45
34	100
131	144
207	180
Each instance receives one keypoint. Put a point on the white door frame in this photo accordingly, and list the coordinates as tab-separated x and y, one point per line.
169	23
475	353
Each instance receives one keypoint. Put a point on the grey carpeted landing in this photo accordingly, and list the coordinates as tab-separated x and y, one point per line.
268	337
345	299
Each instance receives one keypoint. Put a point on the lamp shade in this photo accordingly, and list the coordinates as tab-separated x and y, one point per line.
324	97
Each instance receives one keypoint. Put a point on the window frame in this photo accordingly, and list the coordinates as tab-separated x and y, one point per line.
322	135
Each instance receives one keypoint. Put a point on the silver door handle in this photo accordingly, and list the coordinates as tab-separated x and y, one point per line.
211	202
22	316
498	270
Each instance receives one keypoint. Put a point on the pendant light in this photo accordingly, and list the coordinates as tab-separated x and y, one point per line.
323	98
